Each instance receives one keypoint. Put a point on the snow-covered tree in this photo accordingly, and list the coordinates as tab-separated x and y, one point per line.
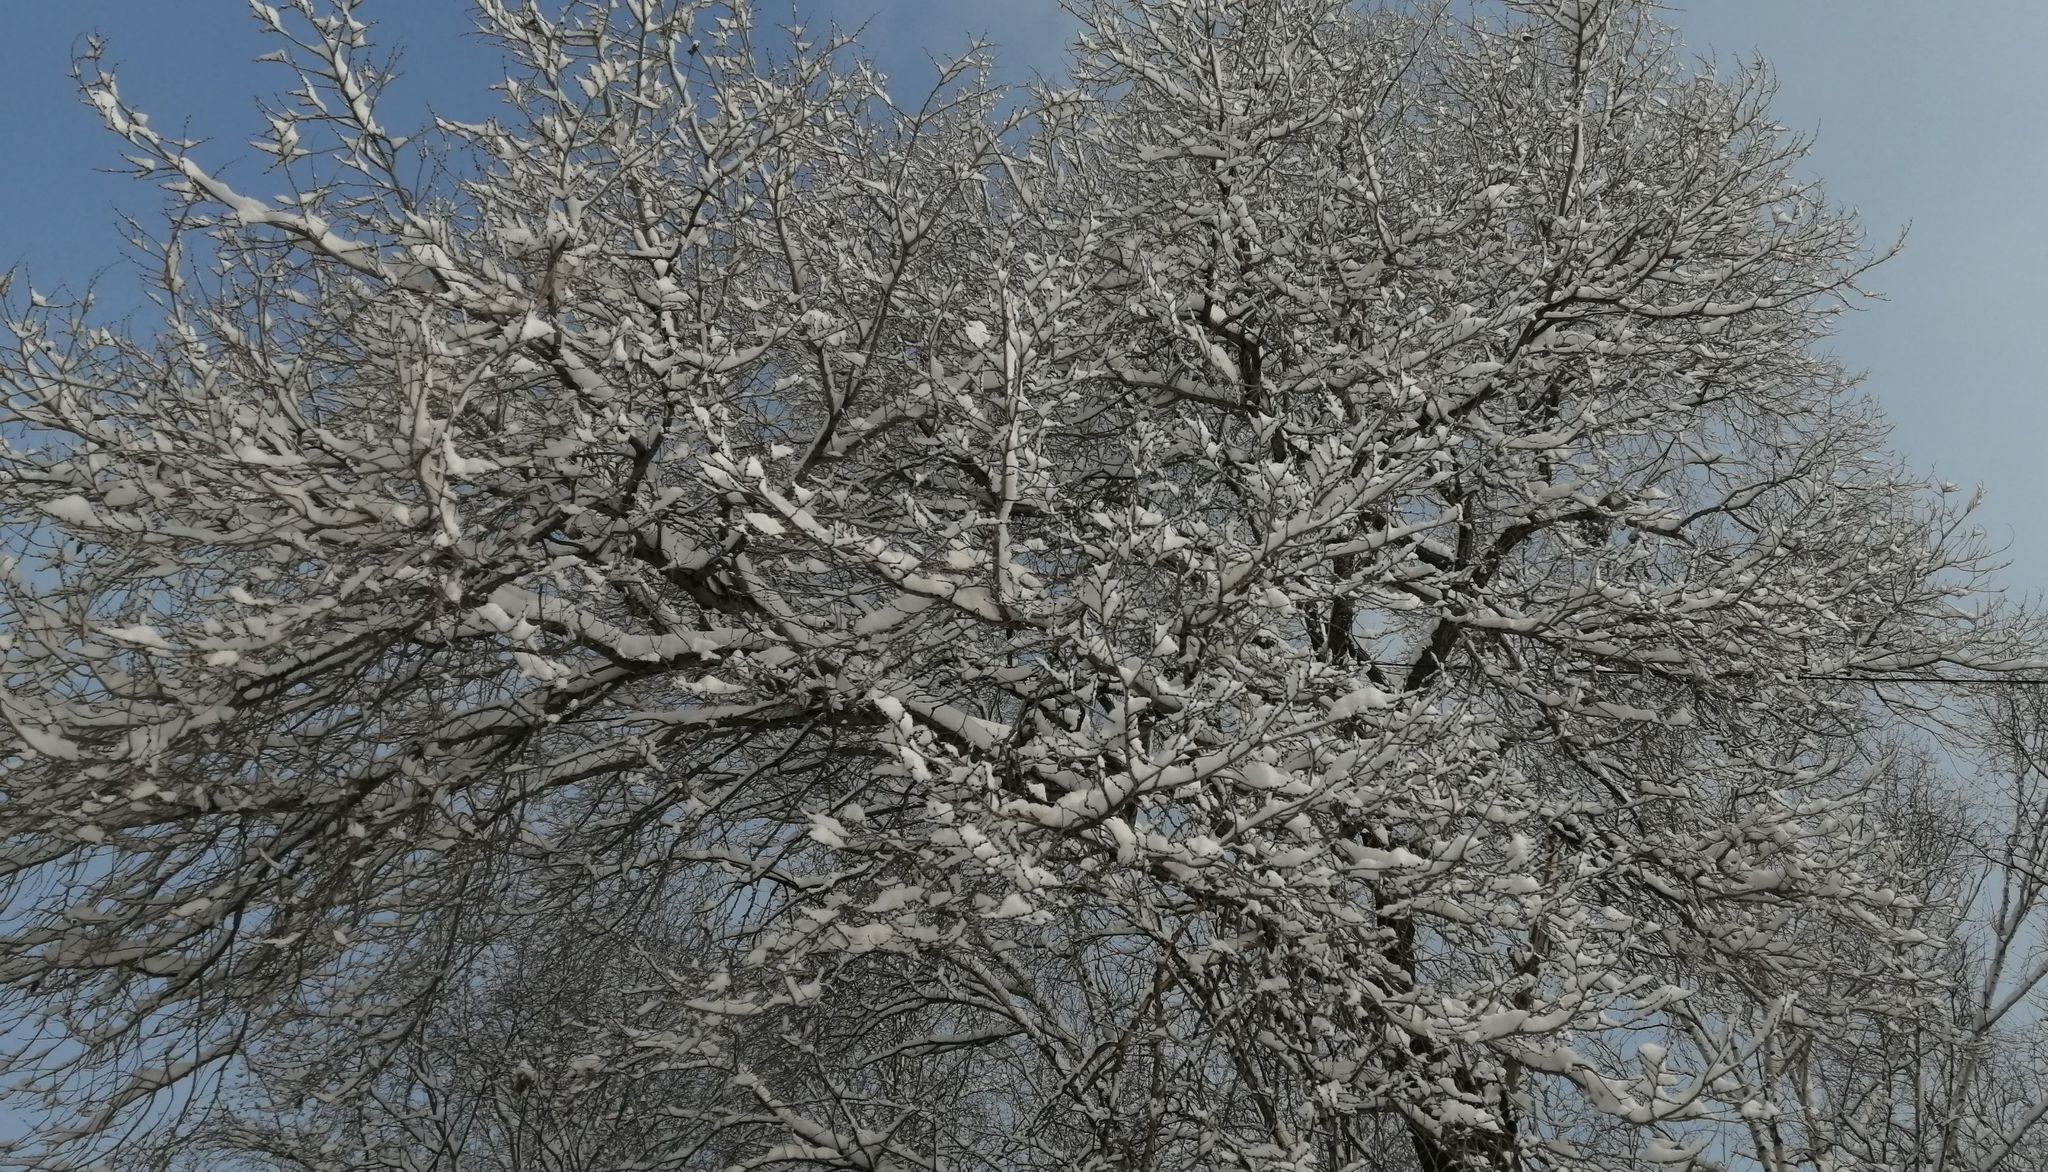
1309	601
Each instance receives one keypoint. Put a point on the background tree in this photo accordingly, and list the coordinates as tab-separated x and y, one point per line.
1313	587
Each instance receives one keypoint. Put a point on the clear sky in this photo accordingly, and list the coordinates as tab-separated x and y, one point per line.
1929	114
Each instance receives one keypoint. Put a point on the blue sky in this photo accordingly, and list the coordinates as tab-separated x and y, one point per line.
1928	114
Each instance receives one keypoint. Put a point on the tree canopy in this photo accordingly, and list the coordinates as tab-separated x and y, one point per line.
1307	598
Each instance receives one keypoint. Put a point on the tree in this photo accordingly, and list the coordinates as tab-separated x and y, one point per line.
1307	596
